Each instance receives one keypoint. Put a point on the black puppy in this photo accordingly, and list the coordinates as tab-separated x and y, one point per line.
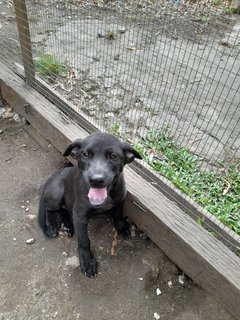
75	194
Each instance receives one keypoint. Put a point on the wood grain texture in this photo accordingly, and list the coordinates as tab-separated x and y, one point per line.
202	257
25	39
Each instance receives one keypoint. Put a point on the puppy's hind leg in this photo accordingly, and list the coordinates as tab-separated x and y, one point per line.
50	208
119	222
53	223
66	222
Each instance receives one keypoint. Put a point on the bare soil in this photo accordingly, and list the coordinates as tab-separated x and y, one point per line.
42	280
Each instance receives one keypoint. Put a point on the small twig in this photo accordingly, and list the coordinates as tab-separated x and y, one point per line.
172	35
191	142
225	191
8	159
114	243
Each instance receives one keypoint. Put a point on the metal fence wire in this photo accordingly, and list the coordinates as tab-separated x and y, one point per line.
162	74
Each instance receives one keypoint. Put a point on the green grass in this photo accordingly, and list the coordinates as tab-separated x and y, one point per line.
230	10
226	7
217	192
111	35
47	65
217	2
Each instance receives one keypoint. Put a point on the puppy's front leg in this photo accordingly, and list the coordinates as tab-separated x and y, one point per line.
119	222
87	262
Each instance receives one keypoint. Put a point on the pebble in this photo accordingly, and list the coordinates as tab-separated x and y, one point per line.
31	216
73	261
158	292
30	240
117	56
170	284
156	316
122	30
181	279
17	118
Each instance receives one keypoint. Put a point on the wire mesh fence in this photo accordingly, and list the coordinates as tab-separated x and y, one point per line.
163	75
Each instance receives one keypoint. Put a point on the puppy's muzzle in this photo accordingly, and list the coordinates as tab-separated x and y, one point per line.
96	180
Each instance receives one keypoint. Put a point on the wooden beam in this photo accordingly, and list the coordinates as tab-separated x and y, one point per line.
25	40
202	257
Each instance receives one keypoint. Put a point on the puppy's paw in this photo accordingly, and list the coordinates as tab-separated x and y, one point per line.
87	263
51	231
70	232
123	228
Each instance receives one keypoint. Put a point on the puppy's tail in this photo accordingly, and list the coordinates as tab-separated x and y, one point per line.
42	213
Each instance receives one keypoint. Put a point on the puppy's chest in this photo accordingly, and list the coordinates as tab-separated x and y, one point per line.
96	211
106	206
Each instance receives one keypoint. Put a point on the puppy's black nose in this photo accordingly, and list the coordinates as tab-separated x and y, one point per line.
96	180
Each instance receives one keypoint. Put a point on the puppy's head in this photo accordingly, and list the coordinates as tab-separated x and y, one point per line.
101	158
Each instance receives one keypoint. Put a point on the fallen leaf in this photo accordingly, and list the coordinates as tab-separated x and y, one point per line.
131	48
225	191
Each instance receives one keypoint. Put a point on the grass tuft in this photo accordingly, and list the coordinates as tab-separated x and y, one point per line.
47	65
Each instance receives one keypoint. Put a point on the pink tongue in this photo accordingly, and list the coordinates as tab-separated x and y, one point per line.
97	196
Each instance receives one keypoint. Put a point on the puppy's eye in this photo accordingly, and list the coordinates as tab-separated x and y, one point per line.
113	156
85	155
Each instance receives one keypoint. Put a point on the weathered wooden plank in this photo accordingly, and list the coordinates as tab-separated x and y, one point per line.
202	257
205	259
25	40
41	113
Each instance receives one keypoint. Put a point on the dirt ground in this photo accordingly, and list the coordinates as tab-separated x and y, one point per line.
42	280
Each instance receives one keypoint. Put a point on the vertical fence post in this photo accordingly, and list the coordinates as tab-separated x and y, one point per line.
25	40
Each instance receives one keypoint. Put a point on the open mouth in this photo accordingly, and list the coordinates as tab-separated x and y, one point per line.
97	196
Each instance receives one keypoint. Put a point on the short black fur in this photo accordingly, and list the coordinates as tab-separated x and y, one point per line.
65	197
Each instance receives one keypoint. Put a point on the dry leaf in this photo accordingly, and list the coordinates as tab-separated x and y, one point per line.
114	243
225	191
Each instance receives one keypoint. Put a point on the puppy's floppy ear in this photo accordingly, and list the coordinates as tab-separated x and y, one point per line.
73	148
130	153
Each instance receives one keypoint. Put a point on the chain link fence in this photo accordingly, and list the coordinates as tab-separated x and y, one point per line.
163	75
